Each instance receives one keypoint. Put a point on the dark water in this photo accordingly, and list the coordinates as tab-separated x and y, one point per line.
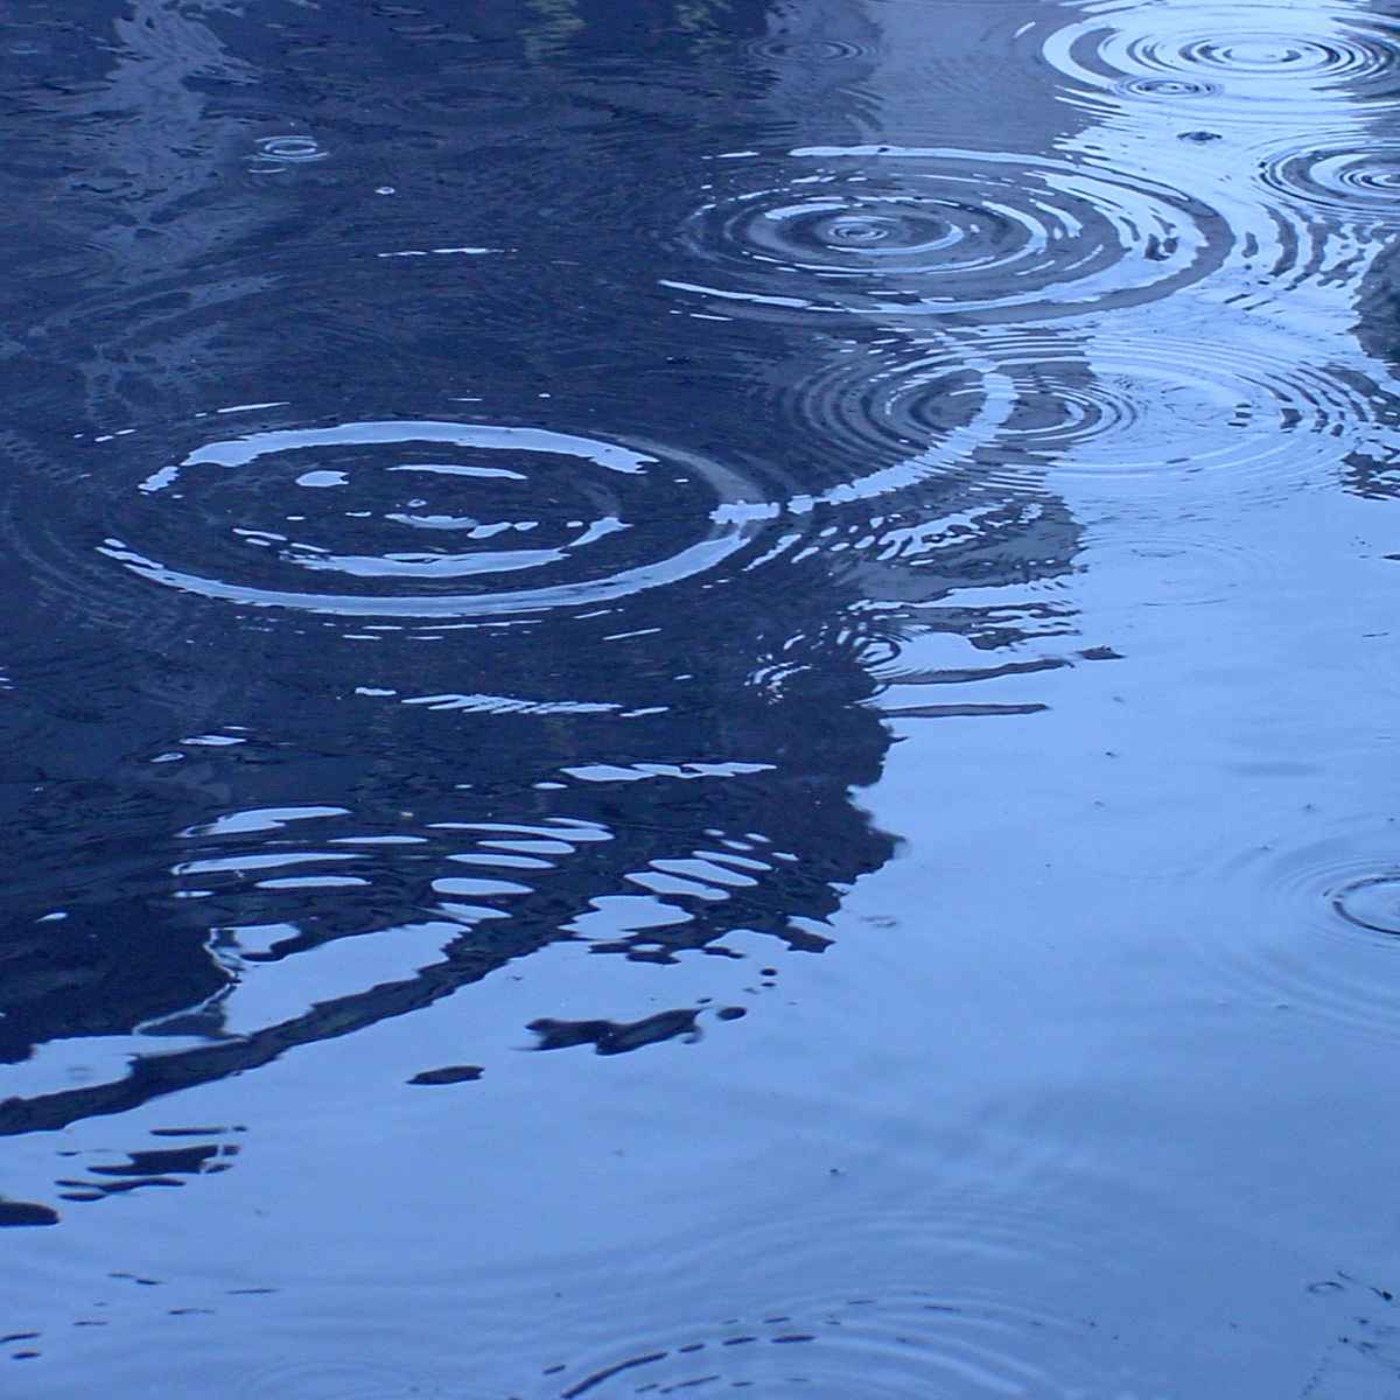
700	695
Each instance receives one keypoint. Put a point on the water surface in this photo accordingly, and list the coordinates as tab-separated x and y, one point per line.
698	696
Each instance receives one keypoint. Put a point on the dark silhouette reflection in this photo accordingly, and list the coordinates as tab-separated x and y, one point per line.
617	1038
229	761
1378	331
1346	211
647	810
149	1167
25	1214
1379	305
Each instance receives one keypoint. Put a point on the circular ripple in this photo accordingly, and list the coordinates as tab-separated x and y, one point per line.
926	230
1254	61
335	1378
904	472
1371	903
1361	184
292	150
1167	87
424	518
804	49
1192	568
901	413
1156	413
1017	411
919	1345
1320	937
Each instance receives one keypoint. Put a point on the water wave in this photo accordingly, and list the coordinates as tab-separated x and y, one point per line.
1014	410
1246	63
1324	937
803	49
444	521
308	917
1356	182
926	230
429	518
277	153
887	415
916	1345
1199	568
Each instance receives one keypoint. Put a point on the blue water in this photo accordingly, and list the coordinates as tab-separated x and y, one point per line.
699	696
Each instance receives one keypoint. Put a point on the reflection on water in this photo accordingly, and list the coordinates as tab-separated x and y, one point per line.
556	666
501	494
632	762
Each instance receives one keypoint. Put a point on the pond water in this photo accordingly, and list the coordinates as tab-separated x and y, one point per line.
700	695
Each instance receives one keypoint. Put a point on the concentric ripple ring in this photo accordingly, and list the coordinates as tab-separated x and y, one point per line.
395	514
1250	62
1358	184
1014	408
927	230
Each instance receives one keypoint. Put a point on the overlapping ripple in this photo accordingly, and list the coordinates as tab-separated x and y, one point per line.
443	520
885	415
1249	63
981	235
428	518
1356	182
1019	410
1154	411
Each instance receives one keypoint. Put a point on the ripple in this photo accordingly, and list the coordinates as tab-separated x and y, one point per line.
278	926
1252	63
918	1345
932	231
1372	902
1321	940
1167	87
1259	414
441	521
1358	183
808	48
901	411
392	518
262	878
336	1378
292	920
1017	411
1180	570
278	152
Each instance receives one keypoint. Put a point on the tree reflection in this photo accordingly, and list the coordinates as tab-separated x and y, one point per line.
244	830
